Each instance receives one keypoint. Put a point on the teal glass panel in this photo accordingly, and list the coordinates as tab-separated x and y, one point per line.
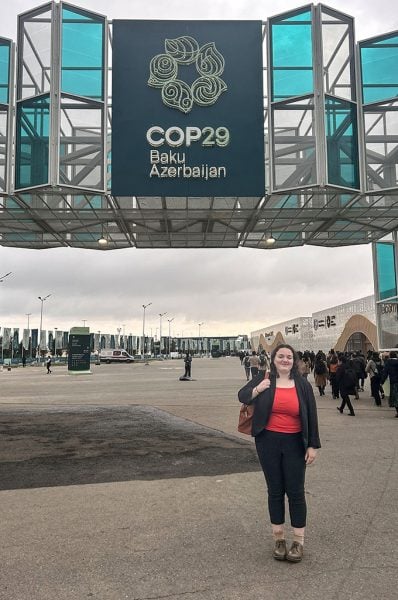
12	205
379	64
286	236
287	202
386	270
345	199
4	70
22	237
342	143
291	56
32	142
86	237
87	203
82	54
350	235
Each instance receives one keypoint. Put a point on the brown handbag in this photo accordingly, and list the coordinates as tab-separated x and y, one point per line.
246	419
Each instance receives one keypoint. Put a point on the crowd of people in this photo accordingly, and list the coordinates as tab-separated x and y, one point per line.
344	371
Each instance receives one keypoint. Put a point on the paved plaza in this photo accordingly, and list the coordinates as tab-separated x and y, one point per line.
129	484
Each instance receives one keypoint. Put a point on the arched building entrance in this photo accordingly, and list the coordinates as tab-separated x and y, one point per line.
358	342
359	334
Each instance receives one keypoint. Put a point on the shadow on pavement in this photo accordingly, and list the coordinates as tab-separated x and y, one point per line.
58	446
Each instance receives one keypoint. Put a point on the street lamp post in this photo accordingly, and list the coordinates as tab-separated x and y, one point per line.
200	341
144	306
160	332
170	321
42	300
2	278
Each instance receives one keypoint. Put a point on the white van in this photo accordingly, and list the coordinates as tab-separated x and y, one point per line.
108	356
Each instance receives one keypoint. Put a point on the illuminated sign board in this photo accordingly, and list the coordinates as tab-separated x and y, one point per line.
187	108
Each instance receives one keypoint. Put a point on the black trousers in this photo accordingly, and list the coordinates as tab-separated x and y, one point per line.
254	371
375	389
345	400
335	385
281	456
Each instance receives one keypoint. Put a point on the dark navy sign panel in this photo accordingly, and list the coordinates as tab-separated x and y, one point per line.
187	108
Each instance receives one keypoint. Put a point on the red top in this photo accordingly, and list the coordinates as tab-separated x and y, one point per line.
285	415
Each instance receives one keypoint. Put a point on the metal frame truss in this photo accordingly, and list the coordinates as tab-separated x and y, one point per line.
68	204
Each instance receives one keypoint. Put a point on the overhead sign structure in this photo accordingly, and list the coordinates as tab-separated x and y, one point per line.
187	108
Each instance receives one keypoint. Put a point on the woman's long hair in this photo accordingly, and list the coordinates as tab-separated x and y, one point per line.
294	371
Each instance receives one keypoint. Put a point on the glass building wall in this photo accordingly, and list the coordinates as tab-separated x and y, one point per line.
32	142
291	84
5	100
5	56
314	135
342	142
82	53
386	291
82	110
379	71
386	270
34	52
379	59
292	70
61	98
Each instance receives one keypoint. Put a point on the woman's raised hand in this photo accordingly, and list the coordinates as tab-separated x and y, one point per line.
264	384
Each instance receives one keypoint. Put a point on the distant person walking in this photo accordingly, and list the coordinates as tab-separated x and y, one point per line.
188	365
320	373
246	364
48	364
391	371
263	362
359	364
254	364
374	370
333	366
285	428
346	381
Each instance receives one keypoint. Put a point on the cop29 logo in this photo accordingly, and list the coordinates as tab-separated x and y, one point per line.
176	93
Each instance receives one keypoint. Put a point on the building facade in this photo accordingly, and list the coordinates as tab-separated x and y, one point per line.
345	327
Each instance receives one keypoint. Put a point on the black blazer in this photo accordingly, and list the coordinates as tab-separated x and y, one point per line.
263	407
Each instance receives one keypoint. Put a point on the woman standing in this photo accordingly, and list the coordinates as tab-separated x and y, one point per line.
285	427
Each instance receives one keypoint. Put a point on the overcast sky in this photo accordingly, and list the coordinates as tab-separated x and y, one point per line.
230	291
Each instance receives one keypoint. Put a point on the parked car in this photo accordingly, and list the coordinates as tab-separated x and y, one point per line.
120	356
